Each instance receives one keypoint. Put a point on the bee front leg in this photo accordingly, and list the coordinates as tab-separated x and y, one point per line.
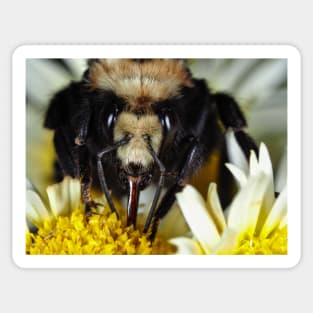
103	184
232	117
86	180
193	159
100	171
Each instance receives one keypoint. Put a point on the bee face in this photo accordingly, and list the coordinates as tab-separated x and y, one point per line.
145	132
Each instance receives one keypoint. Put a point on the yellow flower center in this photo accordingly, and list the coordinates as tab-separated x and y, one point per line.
102	234
276	243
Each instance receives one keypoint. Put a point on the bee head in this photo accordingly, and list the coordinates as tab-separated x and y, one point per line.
146	119
144	132
140	84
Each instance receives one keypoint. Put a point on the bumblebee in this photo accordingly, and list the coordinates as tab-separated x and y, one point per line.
131	123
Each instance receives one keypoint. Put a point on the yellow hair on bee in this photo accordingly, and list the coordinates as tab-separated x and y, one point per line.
139	128
140	83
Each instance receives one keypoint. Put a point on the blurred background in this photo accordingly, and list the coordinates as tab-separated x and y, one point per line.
258	85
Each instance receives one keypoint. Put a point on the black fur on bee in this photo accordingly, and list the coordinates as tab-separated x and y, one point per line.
130	123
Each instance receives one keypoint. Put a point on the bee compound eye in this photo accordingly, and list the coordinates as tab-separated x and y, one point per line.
168	120
169	124
110	120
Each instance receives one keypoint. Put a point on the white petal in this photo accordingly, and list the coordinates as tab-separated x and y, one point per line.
29	185
207	69
245	208
230	76
238	174
197	217
253	164
281	173
268	75
40	152
276	215
58	203
267	205
186	246
64	197
227	243
215	209
265	165
36	212
284	222
74	191
235	154
43	79
77	66
265	161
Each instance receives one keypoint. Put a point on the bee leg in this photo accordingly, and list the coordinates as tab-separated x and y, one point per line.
86	181
80	122
165	205
246	143
104	185
58	174
102	180
193	160
232	117
158	191
66	152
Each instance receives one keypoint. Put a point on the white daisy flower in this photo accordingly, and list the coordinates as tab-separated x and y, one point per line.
62	227
255	223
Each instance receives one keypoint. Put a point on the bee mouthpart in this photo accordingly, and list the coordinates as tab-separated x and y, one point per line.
133	198
134	185
135	169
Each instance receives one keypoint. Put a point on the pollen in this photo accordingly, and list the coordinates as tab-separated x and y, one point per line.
276	243
101	234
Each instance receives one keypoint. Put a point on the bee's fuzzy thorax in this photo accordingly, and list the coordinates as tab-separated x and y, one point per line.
140	83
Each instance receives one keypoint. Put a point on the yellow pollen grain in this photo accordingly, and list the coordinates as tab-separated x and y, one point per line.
102	234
